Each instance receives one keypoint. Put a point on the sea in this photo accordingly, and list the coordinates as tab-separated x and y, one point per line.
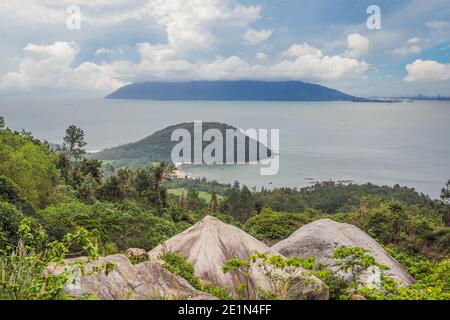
383	143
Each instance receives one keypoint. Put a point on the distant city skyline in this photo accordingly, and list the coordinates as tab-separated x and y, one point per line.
121	41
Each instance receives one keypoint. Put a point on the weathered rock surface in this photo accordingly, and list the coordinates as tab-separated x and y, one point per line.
321	237
136	253
210	243
115	278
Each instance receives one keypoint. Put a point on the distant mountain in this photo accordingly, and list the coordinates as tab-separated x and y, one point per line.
232	90
158	147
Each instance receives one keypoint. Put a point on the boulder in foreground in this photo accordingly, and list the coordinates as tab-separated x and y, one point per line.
115	278
210	243
321	237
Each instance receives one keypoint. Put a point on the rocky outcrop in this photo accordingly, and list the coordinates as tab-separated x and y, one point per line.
210	243
321	237
136	253
115	278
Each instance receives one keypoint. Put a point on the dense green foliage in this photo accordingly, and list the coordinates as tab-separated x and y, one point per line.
433	280
331	197
120	226
412	229
24	267
32	167
47	195
274	226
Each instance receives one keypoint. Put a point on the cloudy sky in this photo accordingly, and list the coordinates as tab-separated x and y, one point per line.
327	42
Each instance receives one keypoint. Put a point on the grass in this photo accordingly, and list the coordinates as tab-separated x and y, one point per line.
202	194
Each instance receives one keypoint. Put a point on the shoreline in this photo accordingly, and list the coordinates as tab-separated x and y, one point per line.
180	173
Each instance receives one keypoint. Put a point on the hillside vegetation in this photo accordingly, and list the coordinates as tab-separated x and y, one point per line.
158	147
56	205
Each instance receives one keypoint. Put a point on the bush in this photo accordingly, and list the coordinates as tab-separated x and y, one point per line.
10	192
10	219
274	226
31	165
178	265
126	225
24	268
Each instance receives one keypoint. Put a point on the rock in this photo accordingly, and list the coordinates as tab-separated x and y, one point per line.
210	243
136	253
321	237
115	278
357	297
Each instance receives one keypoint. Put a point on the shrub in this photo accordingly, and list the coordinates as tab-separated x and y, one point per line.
178	265
10	219
24	269
274	226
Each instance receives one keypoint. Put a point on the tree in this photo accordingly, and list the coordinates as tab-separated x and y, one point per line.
32	167
246	204
214	204
111	190
148	183
231	203
63	165
161	173
2	123
9	224
445	196
192	200
181	200
93	168
88	189
356	261
74	143
285	276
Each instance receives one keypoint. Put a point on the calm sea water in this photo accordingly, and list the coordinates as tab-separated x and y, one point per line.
404	143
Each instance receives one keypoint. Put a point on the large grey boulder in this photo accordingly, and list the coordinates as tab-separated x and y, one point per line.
321	237
115	278
210	243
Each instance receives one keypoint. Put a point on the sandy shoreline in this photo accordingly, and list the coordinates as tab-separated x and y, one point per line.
179	173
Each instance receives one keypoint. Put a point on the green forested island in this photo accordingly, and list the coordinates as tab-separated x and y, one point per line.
63	220
158	146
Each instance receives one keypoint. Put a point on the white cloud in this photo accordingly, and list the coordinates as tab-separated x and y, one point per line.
299	50
438	25
310	63
105	51
252	36
407	50
261	56
439	29
357	45
189	23
303	62
411	47
427	70
51	66
414	40
53	12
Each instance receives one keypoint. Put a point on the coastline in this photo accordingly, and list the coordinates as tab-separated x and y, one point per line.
179	172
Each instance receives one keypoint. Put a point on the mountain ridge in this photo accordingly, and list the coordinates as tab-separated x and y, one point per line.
239	90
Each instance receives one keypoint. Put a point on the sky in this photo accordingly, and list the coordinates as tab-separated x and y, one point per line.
48	46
